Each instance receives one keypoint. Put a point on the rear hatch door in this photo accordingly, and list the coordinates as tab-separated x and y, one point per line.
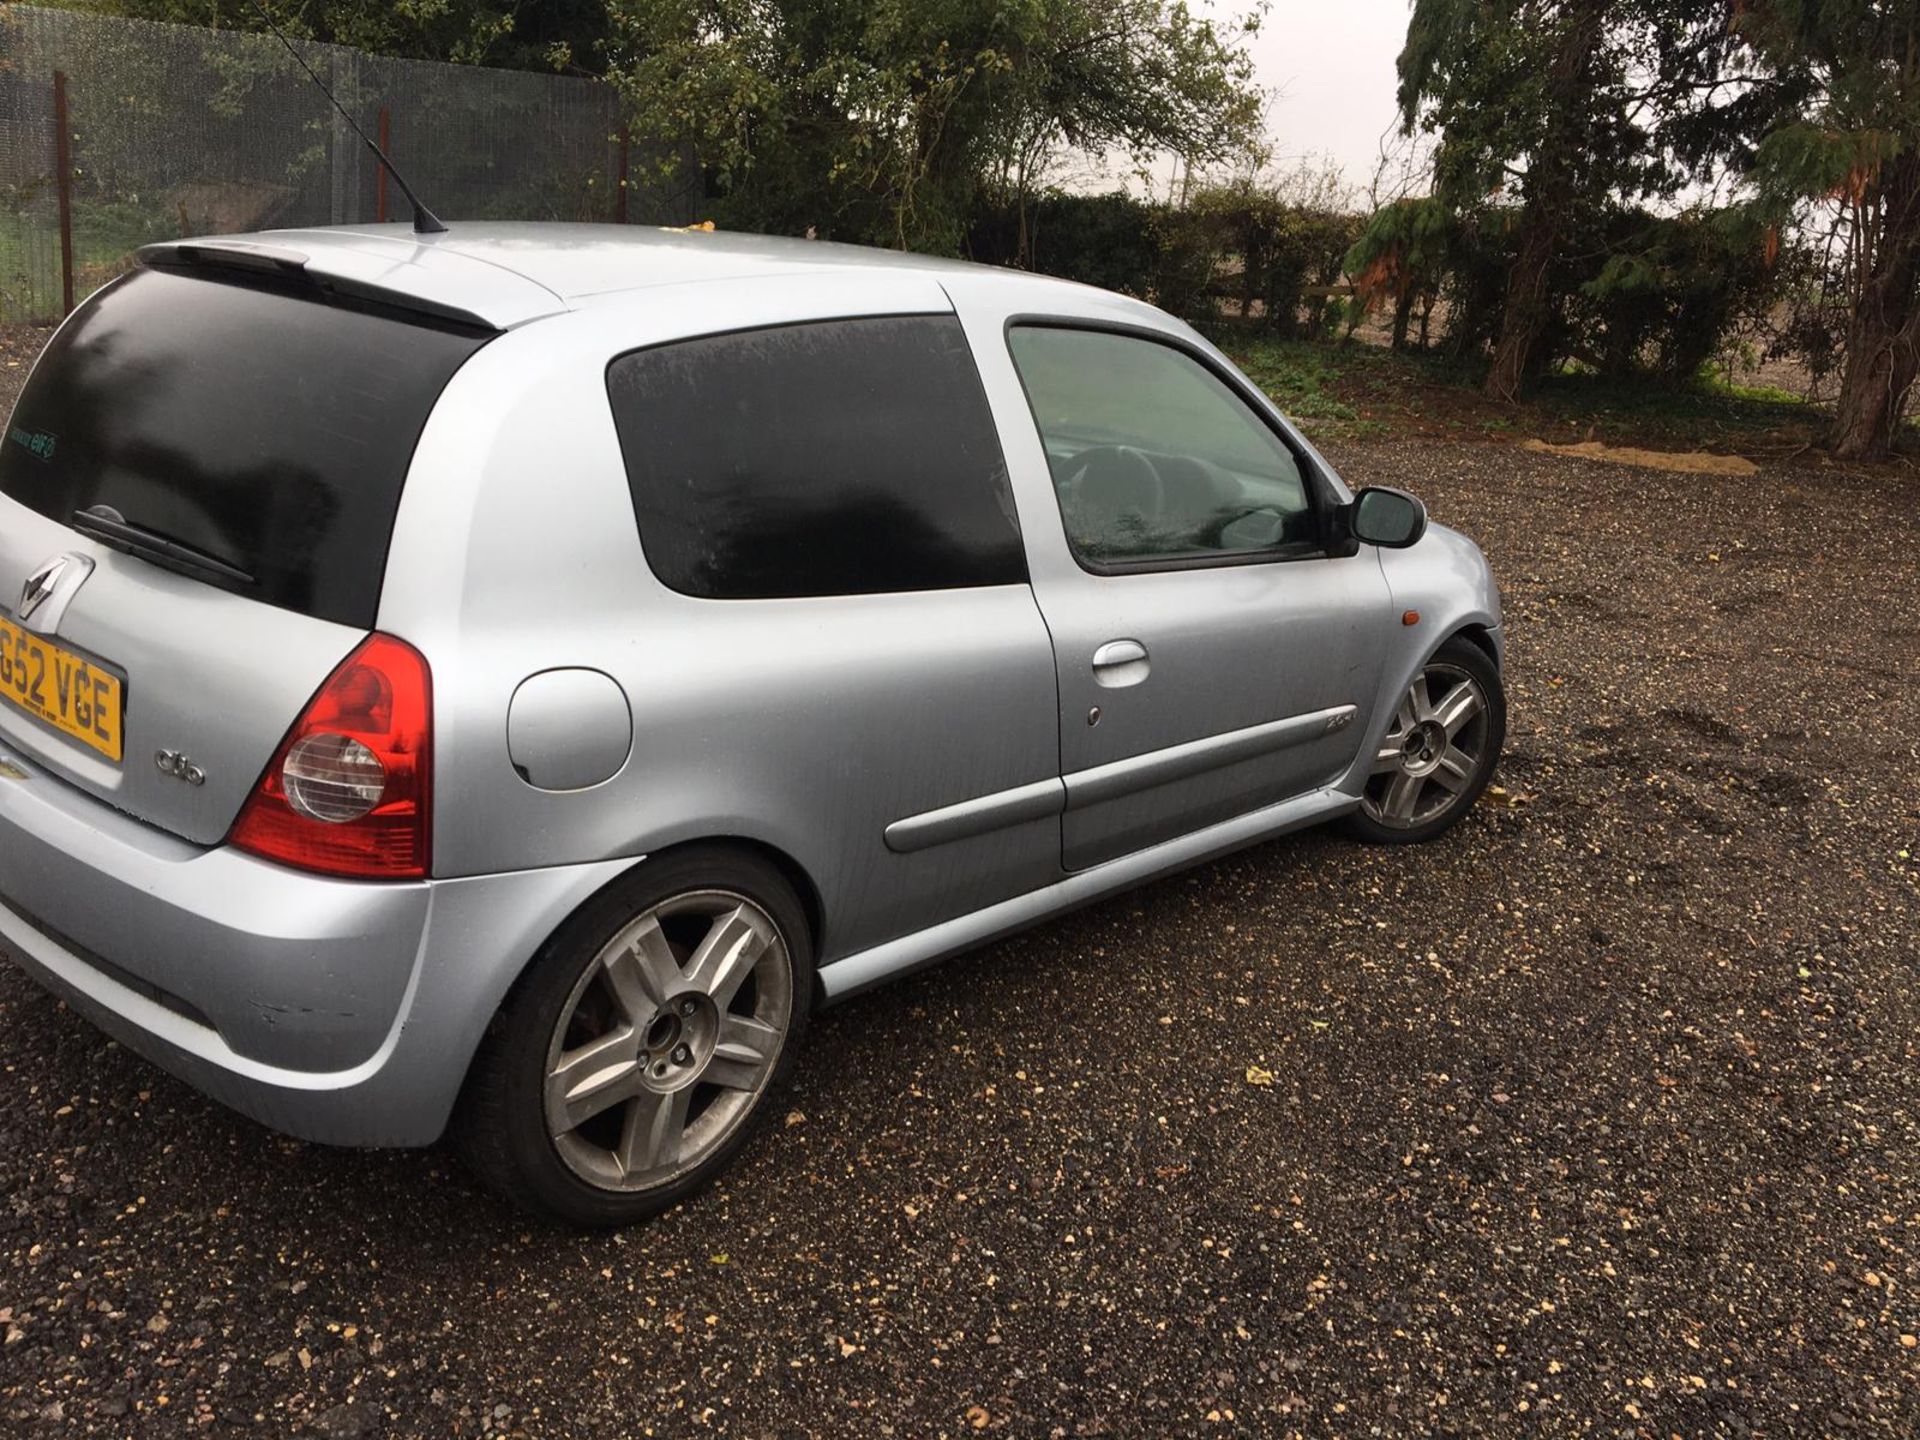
197	493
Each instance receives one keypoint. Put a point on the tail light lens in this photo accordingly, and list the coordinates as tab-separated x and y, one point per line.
350	790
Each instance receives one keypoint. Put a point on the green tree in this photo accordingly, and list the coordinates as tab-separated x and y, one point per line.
888	121
1404	256
1843	145
514	34
1549	113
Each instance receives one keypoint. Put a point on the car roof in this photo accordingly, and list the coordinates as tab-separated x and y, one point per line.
507	273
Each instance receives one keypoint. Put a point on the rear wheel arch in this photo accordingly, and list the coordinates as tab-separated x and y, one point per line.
789	870
782	863
496	1124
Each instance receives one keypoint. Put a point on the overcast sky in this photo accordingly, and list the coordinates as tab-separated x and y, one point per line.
1332	63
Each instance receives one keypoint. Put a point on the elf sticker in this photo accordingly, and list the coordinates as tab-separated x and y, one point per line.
37	443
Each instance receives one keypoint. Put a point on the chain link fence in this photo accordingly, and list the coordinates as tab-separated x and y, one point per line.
172	130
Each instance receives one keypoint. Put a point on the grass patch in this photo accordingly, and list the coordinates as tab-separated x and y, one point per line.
1310	382
1700	415
104	232
1351	390
105	235
1713	382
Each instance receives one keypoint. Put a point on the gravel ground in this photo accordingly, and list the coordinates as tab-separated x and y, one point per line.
1599	1116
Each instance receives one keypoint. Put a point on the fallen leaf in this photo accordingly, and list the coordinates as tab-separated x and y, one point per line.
1257	1076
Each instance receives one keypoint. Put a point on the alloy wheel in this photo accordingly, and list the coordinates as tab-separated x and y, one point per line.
1435	749
668	1040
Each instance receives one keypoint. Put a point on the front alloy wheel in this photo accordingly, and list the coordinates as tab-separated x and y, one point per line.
1439	751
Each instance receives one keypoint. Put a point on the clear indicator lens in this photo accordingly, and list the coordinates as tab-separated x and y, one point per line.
333	778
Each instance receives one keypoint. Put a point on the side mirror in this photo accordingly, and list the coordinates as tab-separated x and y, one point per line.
1386	517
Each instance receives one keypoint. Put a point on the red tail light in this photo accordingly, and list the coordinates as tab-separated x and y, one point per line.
350	790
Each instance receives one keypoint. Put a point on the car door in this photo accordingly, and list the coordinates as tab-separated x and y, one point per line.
1214	654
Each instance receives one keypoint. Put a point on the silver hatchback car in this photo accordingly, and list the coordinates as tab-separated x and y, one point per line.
504	680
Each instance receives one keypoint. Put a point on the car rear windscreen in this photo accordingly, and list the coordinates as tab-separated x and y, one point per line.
266	427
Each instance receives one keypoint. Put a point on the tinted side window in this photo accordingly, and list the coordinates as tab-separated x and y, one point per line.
271	430
838	458
1154	457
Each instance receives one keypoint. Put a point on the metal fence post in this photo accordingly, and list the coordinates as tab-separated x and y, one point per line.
63	183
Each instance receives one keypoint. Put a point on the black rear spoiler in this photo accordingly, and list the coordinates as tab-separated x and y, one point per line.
241	259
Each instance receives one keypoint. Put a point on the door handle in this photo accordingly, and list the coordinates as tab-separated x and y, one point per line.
1119	663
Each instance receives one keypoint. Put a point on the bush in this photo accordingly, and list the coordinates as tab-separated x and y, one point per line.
1668	295
1106	240
1636	295
1241	244
1289	254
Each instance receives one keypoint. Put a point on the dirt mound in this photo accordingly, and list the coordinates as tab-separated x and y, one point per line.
1690	462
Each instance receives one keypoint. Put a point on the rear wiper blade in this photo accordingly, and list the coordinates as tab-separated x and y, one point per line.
111	528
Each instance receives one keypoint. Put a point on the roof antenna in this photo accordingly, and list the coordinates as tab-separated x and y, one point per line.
425	222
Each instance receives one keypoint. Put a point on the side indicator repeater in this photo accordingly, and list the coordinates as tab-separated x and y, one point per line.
1410	617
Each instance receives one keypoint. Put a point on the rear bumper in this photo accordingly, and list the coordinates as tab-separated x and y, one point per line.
333	1010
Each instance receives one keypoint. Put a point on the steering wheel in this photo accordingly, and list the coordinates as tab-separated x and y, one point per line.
1111	484
1213	535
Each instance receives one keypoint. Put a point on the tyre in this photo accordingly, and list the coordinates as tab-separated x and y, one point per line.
628	1065
1439	751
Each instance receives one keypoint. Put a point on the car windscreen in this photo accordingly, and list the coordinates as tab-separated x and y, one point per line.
266	427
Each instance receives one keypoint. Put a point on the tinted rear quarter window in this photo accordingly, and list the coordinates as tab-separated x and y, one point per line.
832	458
264	427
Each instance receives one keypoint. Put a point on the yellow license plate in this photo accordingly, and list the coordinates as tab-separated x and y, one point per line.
56	686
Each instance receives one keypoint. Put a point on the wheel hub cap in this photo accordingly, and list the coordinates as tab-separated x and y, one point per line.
679	1042
1423	747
